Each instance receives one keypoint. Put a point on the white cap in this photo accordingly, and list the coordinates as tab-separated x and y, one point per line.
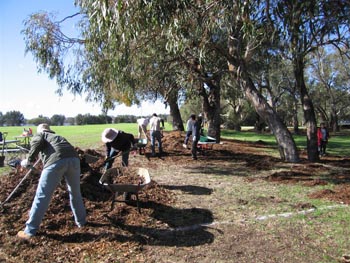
43	127
109	134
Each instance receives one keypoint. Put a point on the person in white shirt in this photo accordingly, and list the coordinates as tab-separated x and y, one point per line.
155	132
189	129
142	126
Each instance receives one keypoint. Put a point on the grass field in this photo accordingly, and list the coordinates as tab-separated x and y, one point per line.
88	136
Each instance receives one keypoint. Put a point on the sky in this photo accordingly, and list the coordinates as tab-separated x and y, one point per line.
25	90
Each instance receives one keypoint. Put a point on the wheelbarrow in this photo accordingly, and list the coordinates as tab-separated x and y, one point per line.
141	144
134	189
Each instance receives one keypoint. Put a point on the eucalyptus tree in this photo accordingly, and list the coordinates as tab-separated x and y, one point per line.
305	26
249	29
235	106
65	59
231	31
331	85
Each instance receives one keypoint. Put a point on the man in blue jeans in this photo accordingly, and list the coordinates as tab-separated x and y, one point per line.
155	133
60	160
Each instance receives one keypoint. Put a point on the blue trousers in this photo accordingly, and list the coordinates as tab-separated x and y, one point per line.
188	134
51	176
125	158
156	136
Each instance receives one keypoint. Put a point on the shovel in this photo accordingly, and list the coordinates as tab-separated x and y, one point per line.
31	169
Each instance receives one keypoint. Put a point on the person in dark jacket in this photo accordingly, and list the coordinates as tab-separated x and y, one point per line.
115	142
196	133
59	159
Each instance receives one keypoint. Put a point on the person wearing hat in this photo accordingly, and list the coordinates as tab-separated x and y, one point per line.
115	142
60	160
155	132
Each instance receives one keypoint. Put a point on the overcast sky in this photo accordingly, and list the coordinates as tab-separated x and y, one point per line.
33	94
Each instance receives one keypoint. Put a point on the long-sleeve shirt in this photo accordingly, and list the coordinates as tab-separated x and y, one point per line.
196	132
50	147
122	142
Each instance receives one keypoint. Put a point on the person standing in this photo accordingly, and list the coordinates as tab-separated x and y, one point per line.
189	129
142	126
117	141
60	160
322	138
196	133
155	132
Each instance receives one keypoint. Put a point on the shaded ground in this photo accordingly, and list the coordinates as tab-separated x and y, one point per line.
178	208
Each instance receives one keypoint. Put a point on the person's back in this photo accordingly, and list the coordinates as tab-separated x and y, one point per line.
123	142
189	129
143	121
52	147
155	133
322	139
189	125
154	123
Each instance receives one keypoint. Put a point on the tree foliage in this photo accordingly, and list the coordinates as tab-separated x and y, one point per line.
231	51
13	118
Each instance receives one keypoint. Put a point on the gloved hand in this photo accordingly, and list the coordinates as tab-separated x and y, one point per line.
194	138
26	164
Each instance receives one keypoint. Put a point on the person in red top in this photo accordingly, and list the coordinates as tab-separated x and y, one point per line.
322	138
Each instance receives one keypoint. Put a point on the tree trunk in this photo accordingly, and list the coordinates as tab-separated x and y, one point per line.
309	112
295	117
334	116
211	107
284	138
175	111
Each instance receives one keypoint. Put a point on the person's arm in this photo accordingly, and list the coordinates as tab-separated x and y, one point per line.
108	149
36	145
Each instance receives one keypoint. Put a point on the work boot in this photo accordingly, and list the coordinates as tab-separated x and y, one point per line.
23	235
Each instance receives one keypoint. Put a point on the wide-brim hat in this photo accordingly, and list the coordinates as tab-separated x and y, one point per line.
43	127
109	134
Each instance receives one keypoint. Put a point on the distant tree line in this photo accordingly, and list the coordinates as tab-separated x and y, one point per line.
16	118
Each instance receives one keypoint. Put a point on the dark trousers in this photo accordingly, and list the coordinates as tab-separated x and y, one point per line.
194	149
322	147
188	134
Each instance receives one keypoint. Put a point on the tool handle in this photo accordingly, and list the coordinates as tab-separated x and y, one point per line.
25	177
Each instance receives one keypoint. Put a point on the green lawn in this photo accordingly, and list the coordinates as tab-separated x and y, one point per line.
339	144
89	136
